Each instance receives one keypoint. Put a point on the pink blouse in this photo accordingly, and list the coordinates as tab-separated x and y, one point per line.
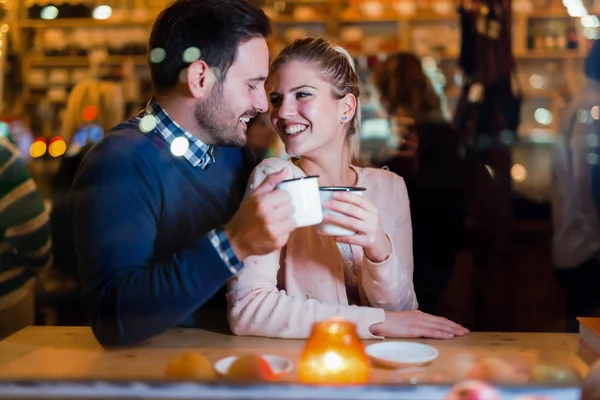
283	293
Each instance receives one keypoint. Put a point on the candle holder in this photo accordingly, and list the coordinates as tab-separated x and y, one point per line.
334	354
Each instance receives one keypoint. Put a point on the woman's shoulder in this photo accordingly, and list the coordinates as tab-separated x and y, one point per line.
271	165
384	186
380	177
276	164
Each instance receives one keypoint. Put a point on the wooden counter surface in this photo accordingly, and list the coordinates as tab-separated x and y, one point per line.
74	353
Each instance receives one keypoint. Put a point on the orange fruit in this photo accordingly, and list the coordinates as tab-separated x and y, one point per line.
250	368
492	369
190	365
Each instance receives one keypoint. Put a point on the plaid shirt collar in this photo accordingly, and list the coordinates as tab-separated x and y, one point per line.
198	153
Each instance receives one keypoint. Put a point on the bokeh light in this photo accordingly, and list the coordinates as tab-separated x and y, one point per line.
537	81
57	147
49	12
38	148
543	116
191	54
183	75
157	55
102	12
179	146
595	111
90	113
518	173
148	123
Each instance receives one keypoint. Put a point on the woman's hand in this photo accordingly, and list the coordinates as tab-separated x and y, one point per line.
415	324
360	215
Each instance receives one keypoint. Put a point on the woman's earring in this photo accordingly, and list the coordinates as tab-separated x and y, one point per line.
345	118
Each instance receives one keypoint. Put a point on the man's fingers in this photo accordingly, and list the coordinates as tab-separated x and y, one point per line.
283	212
271	182
272	200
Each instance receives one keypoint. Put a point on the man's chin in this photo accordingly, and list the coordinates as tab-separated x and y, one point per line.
238	141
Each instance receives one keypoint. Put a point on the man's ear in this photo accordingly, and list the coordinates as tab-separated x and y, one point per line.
200	79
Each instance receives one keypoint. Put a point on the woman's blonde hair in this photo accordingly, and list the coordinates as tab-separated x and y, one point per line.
337	68
107	100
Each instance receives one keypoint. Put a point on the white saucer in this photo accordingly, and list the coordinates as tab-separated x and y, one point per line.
279	365
401	354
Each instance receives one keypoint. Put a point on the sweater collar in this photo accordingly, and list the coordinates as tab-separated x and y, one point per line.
182	143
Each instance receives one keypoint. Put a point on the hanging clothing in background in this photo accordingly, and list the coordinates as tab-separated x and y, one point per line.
488	115
490	100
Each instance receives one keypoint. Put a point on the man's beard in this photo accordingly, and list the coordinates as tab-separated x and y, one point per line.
219	122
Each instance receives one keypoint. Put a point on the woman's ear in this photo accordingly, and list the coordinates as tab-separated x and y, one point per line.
348	106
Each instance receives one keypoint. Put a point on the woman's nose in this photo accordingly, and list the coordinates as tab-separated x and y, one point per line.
287	109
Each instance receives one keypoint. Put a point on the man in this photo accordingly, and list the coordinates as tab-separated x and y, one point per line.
154	203
25	244
576	241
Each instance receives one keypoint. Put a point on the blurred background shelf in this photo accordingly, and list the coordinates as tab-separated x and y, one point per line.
549	45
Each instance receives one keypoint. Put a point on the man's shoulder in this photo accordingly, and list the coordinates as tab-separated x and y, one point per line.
123	151
126	140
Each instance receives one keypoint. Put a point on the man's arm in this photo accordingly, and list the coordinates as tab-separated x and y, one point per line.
130	298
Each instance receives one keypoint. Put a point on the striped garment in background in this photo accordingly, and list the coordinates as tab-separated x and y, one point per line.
25	242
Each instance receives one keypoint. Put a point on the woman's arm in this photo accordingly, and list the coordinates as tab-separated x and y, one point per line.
257	308
388	284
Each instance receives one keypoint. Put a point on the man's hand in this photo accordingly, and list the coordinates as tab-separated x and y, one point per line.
264	220
415	324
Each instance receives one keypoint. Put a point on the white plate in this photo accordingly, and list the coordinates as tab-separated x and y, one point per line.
401	354
279	365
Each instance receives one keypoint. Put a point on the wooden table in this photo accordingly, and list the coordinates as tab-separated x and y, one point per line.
48	353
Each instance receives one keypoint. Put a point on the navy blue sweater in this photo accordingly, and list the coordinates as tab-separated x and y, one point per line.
141	216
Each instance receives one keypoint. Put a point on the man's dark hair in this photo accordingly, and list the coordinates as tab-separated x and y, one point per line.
215	27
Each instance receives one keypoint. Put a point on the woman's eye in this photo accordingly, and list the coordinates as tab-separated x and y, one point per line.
300	95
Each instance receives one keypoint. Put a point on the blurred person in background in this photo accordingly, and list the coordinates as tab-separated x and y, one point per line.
25	242
93	108
429	157
576	241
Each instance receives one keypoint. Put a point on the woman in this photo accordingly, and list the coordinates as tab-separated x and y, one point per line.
365	278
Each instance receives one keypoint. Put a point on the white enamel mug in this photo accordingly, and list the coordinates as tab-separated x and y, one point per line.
326	193
304	192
